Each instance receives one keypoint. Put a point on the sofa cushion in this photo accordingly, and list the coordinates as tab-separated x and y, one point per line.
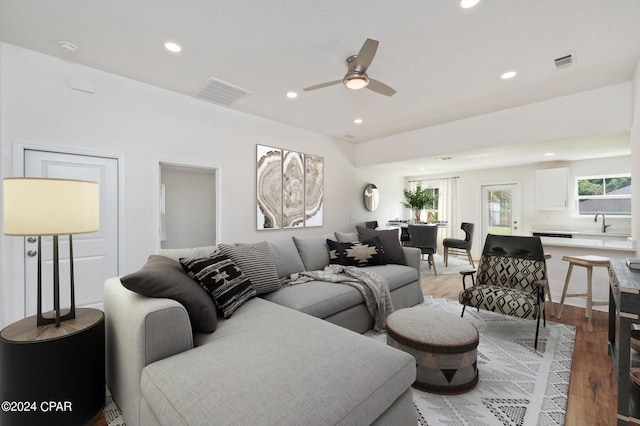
396	275
256	262
164	277
314	251
317	298
390	242
307	377
361	253
222	279
286	257
347	237
176	254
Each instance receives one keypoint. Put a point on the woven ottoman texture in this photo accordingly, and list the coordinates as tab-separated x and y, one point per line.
443	344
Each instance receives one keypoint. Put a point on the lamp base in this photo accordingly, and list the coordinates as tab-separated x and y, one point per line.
56	318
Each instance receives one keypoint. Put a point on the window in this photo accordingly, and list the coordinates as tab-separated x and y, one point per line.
608	194
432	207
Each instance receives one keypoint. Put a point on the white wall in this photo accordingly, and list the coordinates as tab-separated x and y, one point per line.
148	125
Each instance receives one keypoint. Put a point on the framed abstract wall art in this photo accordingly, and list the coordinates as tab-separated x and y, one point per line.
313	189
289	188
269	187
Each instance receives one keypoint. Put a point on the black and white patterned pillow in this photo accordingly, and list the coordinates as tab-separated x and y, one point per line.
361	253
222	279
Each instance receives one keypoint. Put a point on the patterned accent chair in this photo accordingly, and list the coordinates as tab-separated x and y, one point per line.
510	279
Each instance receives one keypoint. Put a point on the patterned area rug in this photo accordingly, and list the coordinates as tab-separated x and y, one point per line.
456	264
518	386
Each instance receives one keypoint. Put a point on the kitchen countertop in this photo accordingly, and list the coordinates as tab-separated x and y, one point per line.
610	234
590	243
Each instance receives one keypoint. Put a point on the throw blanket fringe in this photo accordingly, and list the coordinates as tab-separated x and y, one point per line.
372	286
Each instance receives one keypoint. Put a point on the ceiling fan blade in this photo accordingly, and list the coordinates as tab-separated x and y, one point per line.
321	85
379	87
365	56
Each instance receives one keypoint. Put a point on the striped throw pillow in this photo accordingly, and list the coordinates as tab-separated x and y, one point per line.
257	263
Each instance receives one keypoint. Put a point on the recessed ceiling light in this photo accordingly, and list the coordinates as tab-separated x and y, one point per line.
172	47
467	4
549	154
67	47
292	95
507	75
358	121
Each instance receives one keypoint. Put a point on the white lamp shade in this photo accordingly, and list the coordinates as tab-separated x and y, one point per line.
43	206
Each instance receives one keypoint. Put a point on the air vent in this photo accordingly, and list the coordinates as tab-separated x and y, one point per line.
565	61
349	137
220	92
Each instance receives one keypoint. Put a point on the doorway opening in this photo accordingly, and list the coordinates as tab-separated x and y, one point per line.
188	206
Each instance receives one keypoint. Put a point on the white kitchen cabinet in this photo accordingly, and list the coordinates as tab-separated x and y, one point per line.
552	186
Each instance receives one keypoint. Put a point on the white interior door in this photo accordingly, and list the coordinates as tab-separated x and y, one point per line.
500	209
96	254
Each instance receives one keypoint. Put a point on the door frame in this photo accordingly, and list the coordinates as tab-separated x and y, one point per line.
15	247
517	206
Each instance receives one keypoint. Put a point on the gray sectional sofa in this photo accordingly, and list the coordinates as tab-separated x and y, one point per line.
287	357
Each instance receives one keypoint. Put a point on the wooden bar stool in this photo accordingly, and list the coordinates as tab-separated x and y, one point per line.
546	286
588	262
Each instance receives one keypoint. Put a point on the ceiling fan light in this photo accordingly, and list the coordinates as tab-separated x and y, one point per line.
356	81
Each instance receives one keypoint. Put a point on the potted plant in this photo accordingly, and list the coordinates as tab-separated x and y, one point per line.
419	199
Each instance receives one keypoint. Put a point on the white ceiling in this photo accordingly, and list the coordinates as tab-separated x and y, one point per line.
444	62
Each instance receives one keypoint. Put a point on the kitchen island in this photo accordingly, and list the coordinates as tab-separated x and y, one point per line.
583	244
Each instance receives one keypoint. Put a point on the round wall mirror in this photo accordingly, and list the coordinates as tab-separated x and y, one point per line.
371	197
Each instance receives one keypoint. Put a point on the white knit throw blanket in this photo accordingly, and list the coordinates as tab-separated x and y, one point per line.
372	286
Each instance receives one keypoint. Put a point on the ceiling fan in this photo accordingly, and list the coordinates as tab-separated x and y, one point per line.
356	77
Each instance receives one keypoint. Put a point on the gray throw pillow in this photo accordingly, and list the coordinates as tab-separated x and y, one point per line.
390	239
222	279
347	237
257	263
314	251
286	257
164	277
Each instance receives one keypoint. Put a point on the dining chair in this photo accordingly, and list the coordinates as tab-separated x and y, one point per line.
425	237
457	246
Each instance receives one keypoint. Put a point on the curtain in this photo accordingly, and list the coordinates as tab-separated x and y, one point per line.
448	208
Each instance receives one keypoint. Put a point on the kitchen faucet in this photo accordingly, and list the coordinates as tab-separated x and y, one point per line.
604	227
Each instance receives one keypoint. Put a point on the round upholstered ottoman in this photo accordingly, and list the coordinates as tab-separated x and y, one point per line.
443	344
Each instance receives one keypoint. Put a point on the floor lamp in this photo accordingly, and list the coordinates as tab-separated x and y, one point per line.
51	207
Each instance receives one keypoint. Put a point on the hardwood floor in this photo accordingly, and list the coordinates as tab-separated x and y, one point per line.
592	387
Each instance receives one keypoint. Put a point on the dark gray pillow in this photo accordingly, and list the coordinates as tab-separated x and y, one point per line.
390	239
222	279
257	263
164	277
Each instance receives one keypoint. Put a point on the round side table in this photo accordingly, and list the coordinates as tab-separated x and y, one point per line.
53	375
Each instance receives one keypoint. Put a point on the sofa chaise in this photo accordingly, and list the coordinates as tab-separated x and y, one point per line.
290	356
